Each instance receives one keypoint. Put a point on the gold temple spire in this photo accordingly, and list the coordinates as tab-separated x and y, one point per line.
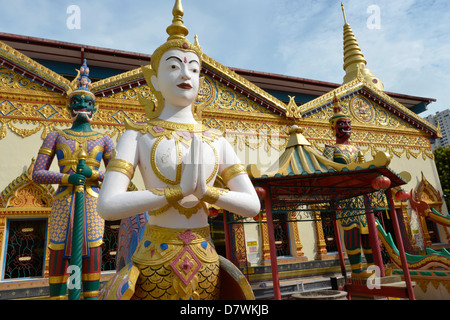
354	61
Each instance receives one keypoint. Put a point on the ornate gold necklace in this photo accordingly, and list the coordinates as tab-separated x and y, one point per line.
181	131
80	137
174	126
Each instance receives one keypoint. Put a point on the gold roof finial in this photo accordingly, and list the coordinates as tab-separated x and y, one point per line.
177	30
354	58
343	12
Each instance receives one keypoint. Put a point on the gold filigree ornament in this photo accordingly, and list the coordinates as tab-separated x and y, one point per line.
3	131
173	195
293	110
152	108
212	194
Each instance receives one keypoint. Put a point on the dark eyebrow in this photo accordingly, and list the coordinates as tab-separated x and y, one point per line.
194	61
174	58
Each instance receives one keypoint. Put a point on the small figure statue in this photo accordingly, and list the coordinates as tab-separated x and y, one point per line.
354	224
68	145
179	160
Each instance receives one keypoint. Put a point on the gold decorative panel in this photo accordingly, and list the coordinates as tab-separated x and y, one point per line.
374	129
10	79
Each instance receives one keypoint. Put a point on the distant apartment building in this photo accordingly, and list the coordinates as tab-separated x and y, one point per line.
443	117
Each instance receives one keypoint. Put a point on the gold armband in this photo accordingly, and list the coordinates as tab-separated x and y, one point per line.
46	151
232	171
122	166
173	194
94	175
212	194
65	179
157	191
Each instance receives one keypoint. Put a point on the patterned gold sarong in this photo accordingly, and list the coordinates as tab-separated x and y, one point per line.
169	264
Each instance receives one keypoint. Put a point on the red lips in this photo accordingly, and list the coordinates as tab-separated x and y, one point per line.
184	86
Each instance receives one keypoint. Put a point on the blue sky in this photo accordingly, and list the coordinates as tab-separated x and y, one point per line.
406	42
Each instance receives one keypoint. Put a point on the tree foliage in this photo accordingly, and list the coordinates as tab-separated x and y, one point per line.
442	159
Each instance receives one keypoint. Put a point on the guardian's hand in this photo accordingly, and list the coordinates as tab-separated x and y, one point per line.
77	179
84	170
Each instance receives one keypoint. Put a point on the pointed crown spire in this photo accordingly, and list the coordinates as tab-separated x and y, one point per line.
337	113
354	61
82	83
337	110
177	30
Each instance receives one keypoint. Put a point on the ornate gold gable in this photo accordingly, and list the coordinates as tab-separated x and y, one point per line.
24	193
25	102
379	123
426	192
31	71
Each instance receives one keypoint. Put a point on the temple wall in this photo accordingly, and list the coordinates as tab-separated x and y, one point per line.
253	234
308	237
16	154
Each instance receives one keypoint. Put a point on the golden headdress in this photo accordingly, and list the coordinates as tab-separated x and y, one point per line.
337	113
177	32
81	85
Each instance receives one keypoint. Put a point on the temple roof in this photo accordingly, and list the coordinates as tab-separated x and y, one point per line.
28	67
299	158
302	173
359	85
22	64
253	85
64	57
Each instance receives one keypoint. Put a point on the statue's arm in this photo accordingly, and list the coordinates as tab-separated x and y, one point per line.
41	172
108	146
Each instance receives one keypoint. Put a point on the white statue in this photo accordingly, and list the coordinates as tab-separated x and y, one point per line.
179	160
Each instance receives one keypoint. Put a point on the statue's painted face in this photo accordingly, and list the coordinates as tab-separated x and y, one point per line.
343	128
82	108
178	77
